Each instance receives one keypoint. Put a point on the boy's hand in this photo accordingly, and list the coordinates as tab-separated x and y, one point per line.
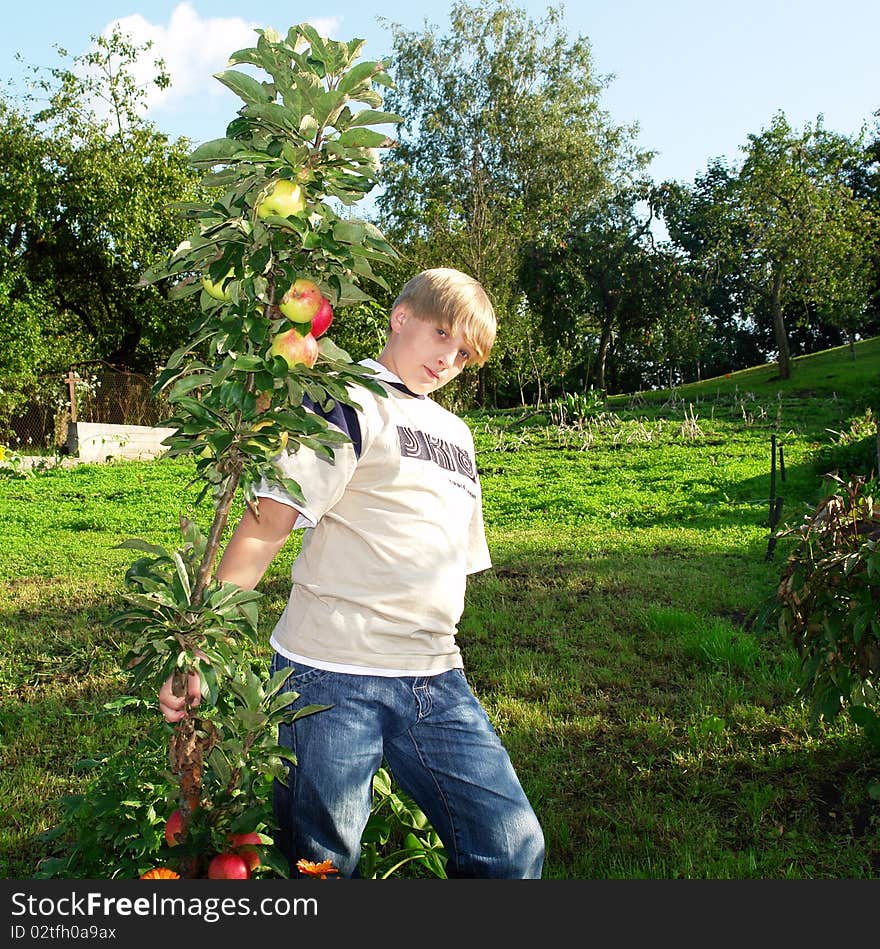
172	706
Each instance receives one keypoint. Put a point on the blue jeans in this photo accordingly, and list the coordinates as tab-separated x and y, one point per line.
442	750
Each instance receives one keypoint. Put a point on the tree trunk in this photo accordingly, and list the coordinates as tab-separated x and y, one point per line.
604	341
779	331
191	742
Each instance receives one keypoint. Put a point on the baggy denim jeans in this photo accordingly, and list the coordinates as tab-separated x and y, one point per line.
441	748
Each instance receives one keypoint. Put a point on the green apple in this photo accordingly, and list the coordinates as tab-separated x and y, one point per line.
284	198
295	349
301	301
220	290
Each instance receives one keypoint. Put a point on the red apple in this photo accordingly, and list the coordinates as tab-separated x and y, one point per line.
294	348
228	866
300	303
322	318
173	826
243	844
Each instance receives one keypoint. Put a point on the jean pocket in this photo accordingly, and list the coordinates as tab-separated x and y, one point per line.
300	675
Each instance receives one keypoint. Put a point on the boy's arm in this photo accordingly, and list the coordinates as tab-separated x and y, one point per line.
254	543
250	550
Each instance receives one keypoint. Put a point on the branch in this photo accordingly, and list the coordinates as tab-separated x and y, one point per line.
221	517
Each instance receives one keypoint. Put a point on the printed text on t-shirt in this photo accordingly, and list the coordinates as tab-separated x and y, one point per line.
416	444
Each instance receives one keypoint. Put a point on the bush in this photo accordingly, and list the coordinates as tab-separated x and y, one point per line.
828	604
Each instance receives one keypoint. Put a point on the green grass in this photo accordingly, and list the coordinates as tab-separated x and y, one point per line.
655	724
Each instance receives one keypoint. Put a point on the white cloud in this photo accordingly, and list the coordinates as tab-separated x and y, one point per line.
194	48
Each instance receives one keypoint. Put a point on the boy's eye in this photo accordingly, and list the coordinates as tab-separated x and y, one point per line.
463	354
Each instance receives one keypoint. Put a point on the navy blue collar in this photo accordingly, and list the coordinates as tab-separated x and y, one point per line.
402	388
385	375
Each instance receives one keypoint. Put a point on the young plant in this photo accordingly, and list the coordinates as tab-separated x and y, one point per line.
398	834
828	605
300	143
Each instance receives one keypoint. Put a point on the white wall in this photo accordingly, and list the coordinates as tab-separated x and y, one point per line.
96	441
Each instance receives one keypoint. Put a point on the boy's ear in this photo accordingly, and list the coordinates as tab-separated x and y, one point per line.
399	316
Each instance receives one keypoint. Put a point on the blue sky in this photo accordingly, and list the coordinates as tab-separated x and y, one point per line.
698	76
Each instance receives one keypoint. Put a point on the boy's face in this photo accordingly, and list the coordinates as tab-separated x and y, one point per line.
423	354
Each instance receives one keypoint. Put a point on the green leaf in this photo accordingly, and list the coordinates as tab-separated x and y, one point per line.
198	410
377	831
215	152
188	383
329	103
248	363
135	543
349	232
361	73
186	288
363	138
249	55
274	114
244	86
182	574
375	117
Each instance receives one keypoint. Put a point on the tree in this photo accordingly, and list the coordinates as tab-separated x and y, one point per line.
86	194
502	140
864	179
304	132
676	329
784	232
597	280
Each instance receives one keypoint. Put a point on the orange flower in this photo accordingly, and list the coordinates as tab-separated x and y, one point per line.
319	870
160	873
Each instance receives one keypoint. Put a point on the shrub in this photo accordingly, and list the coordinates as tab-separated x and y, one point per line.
828	604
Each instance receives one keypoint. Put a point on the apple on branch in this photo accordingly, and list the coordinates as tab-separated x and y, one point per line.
301	301
228	866
295	349
173	827
284	198
220	290
244	845
323	318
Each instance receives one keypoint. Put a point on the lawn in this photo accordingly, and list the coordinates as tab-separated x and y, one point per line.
616	644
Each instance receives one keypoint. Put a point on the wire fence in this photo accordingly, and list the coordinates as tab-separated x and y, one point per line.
86	393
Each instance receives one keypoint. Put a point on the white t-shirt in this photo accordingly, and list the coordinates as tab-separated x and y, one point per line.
394	527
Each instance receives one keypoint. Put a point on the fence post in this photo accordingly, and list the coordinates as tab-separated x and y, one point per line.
775	502
772	475
774	520
71	380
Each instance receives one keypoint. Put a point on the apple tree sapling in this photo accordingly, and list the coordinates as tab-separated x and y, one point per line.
271	232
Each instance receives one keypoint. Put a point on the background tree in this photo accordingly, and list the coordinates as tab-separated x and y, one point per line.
864	178
596	281
502	140
784	233
86	193
669	350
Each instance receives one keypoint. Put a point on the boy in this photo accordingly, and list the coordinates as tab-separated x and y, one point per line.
394	527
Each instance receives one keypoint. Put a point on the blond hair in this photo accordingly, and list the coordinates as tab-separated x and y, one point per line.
457	302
